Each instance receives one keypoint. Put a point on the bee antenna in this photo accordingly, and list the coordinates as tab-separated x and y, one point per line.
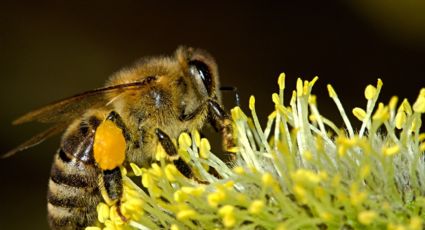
232	89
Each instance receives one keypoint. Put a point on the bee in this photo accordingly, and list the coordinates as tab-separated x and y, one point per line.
140	107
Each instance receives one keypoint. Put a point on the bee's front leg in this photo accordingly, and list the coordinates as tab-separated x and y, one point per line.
109	150
221	121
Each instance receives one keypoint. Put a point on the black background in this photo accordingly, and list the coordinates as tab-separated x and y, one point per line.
50	50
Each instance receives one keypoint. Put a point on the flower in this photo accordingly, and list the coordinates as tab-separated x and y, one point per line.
298	171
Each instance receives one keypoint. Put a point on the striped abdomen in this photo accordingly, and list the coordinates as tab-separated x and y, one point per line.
73	192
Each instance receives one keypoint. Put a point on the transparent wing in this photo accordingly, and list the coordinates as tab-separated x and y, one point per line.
69	108
37	139
63	112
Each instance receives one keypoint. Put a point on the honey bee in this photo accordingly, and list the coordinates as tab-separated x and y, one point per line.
140	107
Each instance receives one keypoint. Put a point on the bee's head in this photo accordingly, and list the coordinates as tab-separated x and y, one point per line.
174	85
202	70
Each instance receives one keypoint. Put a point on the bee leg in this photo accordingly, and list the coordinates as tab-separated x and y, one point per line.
222	123
116	118
166	143
171	151
111	188
110	182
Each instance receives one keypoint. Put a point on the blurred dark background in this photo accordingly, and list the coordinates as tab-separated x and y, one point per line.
50	50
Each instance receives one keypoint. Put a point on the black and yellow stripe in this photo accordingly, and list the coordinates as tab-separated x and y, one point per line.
73	192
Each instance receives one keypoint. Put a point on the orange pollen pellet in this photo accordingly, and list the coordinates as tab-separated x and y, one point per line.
109	146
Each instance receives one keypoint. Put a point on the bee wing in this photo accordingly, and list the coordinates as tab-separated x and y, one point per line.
69	108
64	111
37	139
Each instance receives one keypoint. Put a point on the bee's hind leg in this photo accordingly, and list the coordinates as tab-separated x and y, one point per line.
110	180
112	188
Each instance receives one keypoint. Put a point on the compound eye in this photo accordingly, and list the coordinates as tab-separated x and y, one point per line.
201	72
